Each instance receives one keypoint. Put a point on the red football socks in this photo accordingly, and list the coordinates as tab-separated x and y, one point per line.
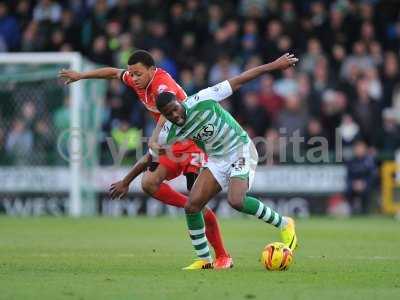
213	233
167	195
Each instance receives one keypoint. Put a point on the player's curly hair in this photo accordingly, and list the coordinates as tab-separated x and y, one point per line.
163	99
141	56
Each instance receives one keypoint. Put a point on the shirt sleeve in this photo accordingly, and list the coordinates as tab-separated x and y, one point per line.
163	136
217	92
123	77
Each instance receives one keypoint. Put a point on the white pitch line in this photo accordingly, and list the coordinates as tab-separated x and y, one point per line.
356	257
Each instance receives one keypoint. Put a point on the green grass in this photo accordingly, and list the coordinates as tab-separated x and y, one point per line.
121	258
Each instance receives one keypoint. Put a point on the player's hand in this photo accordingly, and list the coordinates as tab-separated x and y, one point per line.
285	61
156	148
118	189
69	76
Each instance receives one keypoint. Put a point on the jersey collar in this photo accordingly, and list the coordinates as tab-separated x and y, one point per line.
151	80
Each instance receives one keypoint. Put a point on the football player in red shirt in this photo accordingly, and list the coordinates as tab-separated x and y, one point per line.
147	81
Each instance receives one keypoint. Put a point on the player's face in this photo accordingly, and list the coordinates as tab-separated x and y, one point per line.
174	112
141	74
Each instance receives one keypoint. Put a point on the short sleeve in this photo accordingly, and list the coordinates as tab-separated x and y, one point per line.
217	92
123	76
163	136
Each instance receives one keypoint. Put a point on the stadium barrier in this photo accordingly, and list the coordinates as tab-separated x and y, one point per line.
298	190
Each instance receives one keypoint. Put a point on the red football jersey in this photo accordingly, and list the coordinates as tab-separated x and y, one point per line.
161	82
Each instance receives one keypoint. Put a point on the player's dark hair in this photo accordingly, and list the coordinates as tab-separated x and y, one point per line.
143	57
163	99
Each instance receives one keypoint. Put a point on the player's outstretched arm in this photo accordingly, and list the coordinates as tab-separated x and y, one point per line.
154	139
285	61
70	76
119	189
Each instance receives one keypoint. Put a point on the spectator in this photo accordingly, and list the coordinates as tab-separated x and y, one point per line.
333	107
9	29
3	153
29	114
223	69
100	53
253	8
62	116
389	137
374	84
214	18
225	42
359	59
256	116
348	72
187	82
366	112
136	28
391	77
69	28
165	62
338	56
121	11
23	13
126	49
250	40
273	32
126	137
349	132
361	173
268	98
157	38
314	133
270	151
292	118
287	85
253	85
47	10
95	23
30	39
200	76
309	60
42	143
19	143
186	56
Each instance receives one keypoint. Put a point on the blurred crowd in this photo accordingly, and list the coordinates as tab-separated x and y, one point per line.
345	88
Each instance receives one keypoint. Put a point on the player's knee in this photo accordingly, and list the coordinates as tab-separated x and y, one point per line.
192	207
149	185
235	202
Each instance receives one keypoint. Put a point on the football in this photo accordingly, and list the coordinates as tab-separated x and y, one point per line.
276	257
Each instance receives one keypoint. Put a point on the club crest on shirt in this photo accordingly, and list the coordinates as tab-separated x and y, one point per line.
205	133
162	88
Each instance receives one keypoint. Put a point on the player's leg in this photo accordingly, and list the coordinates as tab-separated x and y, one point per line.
153	185
205	188
242	202
241	179
239	200
213	231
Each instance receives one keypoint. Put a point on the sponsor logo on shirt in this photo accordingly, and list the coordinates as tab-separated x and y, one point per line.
205	133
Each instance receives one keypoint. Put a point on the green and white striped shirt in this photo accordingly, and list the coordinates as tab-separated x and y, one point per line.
211	127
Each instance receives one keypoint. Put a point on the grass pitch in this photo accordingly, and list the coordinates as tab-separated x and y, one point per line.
140	258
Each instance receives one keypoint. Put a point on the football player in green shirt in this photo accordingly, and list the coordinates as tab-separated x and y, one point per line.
232	157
